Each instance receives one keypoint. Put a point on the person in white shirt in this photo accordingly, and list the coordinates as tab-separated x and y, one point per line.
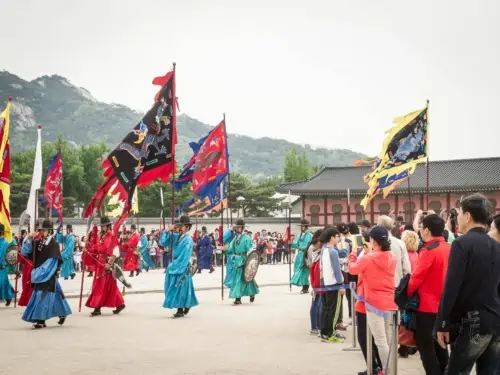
398	249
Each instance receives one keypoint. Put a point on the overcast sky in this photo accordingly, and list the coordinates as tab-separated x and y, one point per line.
329	73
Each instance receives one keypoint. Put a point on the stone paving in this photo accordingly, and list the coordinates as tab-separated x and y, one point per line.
268	337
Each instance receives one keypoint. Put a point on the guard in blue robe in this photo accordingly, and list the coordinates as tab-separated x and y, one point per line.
146	261
239	248
47	300
68	242
227	237
179	288
300	270
6	290
205	251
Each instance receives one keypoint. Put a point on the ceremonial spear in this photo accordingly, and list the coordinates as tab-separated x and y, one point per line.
289	239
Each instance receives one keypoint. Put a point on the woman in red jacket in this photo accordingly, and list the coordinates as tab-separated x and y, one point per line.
377	270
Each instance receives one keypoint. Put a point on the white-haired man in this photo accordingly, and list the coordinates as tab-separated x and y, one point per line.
398	248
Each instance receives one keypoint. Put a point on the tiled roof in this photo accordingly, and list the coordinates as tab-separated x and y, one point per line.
445	176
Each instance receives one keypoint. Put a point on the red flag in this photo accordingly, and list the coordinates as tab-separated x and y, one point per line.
288	236
211	162
147	152
53	192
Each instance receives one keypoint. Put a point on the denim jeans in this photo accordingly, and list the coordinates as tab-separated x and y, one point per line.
471	347
316	312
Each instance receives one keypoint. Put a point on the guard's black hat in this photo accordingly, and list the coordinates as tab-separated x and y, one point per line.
183	220
240	223
47	224
69	226
105	220
304	223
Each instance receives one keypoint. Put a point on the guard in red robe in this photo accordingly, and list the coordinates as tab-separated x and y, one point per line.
27	289
131	262
105	292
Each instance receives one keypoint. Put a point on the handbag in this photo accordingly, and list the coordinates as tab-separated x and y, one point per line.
406	337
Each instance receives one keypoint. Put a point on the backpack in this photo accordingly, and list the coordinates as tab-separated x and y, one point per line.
315	274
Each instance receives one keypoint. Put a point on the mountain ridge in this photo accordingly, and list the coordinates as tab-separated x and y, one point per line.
63	108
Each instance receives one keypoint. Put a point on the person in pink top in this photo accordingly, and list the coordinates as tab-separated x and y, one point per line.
377	269
410	238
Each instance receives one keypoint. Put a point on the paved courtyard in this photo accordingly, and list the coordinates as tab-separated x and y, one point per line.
268	337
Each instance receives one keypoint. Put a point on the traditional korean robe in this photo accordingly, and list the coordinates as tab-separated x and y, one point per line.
131	261
179	288
68	266
239	248
47	300
6	290
300	270
205	251
105	292
147	262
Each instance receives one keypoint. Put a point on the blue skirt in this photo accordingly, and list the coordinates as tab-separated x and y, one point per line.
43	307
239	287
148	262
228	281
68	268
300	271
6	291
182	296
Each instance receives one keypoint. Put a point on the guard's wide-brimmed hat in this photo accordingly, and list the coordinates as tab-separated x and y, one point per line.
240	223
304	223
105	221
183	220
133	227
69	226
203	228
46	224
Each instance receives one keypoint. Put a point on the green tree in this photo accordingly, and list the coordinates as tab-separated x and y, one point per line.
297	166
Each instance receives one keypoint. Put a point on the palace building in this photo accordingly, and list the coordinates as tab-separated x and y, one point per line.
334	193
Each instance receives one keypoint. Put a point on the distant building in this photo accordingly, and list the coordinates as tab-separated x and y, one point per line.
283	211
324	197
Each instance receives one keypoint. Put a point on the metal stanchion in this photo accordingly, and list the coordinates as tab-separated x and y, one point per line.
354	348
394	347
369	350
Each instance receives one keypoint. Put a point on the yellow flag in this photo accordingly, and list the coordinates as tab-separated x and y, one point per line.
116	212
405	146
5	172
135	202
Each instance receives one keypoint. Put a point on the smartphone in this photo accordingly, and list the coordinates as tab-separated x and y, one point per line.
358	243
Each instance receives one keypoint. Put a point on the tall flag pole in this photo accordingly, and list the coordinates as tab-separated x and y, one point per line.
229	199
428	165
404	147
146	154
289	239
174	118
221	234
36	182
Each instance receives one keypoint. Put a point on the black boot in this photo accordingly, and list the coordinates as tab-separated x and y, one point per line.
137	272
96	312
7	302
118	309
252	298
186	311
237	301
305	289
39	324
90	274
73	276
179	313
131	274
212	270
65	278
61	321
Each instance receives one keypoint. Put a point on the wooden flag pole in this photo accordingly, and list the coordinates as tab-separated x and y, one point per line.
289	239
229	198
174	122
427	151
221	235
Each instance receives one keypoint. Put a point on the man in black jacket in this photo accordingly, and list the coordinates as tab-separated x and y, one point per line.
469	312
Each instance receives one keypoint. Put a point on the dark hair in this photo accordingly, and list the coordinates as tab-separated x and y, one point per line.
343	228
435	224
365	223
316	236
400	218
328	233
385	245
453	220
23	232
409	227
496	221
353	228
366	237
396	232
478	206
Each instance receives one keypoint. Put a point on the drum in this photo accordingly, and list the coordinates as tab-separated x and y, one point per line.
194	263
11	255
251	266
